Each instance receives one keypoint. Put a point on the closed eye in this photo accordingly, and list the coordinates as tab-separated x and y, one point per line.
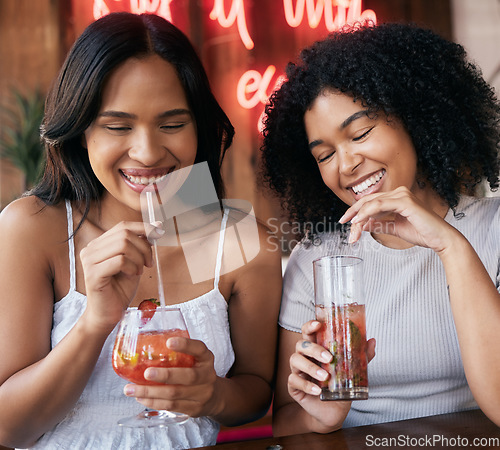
117	128
172	127
365	134
325	158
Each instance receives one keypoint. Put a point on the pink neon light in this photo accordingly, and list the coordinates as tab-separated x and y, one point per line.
99	9
236	13
348	11
159	7
253	86
252	82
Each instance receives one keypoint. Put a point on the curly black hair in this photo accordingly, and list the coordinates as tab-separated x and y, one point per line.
407	72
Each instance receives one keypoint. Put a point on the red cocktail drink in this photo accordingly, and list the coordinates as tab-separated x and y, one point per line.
340	308
131	359
141	342
343	334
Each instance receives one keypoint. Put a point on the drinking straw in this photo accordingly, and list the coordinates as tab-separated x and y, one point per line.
158	197
151	212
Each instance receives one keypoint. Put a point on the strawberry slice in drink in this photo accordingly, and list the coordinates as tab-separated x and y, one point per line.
148	308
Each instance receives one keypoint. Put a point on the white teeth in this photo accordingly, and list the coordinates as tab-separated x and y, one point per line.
367	183
143	180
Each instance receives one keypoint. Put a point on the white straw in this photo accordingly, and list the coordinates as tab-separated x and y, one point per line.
151	212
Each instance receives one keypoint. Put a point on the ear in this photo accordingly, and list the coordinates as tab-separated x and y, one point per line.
83	141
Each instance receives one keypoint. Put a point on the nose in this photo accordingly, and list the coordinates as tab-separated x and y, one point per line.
146	148
349	160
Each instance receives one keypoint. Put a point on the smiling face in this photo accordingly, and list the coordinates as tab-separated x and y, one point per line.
358	153
144	130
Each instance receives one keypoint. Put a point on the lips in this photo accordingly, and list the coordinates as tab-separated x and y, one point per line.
369	182
143	180
138	179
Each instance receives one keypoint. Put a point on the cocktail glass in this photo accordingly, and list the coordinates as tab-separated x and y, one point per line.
340	308
141	342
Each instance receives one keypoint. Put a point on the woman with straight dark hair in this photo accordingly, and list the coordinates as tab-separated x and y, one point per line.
375	144
132	105
73	103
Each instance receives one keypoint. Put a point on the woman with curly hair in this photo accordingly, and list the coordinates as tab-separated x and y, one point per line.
389	129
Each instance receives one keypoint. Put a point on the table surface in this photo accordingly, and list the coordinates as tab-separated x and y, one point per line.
464	429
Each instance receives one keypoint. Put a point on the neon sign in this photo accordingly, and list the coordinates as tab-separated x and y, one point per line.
348	11
253	82
236	13
159	7
254	87
99	9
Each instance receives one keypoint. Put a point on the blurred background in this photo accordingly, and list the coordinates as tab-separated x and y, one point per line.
244	45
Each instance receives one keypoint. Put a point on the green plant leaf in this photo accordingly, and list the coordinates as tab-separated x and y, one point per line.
20	141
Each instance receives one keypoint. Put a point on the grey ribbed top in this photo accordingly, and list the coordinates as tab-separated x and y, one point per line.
418	369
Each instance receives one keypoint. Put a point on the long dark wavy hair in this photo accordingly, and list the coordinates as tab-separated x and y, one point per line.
407	72
74	101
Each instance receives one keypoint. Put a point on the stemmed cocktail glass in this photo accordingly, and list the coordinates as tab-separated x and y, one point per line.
141	342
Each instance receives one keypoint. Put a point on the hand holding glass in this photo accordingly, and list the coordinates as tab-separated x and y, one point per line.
141	342
339	297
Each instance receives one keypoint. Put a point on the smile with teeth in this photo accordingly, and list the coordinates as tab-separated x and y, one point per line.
359	188
145	181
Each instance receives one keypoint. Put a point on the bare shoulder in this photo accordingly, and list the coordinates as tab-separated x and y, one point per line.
29	220
34	247
24	208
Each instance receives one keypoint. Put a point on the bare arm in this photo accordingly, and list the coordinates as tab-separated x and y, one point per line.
475	303
28	258
474	299
253	315
25	327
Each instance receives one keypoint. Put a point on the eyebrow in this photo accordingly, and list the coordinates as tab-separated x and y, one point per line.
353	117
163	115
344	124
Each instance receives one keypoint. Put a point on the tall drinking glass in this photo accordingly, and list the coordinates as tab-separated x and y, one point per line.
340	308
141	342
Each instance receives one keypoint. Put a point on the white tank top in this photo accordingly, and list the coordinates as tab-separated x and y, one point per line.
92	423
